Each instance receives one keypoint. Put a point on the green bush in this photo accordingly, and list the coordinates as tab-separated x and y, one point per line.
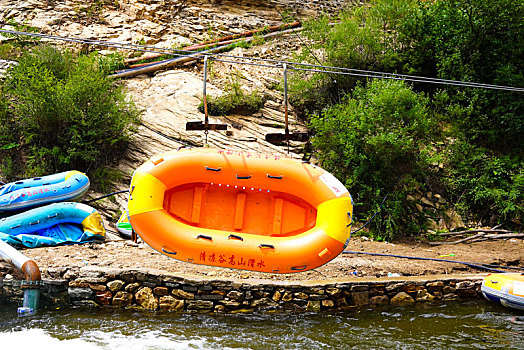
476	161
362	38
480	41
377	142
486	188
62	112
235	100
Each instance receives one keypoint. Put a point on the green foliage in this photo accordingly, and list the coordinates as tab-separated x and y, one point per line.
258	39
13	48
376	142
91	11
107	177
480	41
486	188
21	40
362	38
235	100
469	146
111	62
63	113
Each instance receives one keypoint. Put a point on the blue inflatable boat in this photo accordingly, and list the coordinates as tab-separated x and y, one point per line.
24	194
53	224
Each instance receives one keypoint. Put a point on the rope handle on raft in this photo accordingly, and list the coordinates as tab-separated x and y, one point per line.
350	219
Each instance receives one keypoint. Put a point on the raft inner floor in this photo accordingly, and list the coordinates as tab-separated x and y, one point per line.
241	209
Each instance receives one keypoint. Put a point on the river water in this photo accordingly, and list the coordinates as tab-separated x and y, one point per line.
465	325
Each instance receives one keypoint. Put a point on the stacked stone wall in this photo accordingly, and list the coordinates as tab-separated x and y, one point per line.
157	291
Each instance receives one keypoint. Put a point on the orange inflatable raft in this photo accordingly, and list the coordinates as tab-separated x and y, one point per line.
240	210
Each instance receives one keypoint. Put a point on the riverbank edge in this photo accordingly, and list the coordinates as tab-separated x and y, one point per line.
158	290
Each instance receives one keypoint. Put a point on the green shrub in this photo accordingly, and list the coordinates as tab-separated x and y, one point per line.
363	38
480	41
235	100
477	163
486	188
21	40
62	112
377	142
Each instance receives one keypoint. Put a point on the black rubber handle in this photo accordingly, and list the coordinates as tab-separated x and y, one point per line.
235	237
209	238
168	252
268	246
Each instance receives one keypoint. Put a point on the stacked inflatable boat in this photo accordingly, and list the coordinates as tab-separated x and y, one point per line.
37	212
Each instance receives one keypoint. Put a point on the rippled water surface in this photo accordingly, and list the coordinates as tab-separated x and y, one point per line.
471	325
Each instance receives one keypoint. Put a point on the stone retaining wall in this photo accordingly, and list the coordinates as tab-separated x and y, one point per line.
155	290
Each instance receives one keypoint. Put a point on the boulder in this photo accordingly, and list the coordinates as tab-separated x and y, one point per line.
122	299
145	298
168	303
402	298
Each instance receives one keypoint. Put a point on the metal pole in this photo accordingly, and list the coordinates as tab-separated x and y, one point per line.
206	120
285	106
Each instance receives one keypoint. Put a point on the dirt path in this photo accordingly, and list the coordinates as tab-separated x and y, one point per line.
121	253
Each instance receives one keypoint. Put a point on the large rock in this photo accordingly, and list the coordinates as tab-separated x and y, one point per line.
424	295
334	292
360	298
115	286
402	298
379	300
80	293
180	294
103	298
236	295
145	298
263	303
169	303
328	303
313	306
199	304
122	299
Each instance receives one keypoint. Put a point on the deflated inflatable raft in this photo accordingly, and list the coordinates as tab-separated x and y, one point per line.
24	194
53	224
240	210
505	288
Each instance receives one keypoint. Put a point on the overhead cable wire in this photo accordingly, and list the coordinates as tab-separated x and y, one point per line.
310	51
299	37
276	63
105	196
415	79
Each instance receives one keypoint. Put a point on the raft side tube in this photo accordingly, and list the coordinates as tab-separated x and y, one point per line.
29	193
